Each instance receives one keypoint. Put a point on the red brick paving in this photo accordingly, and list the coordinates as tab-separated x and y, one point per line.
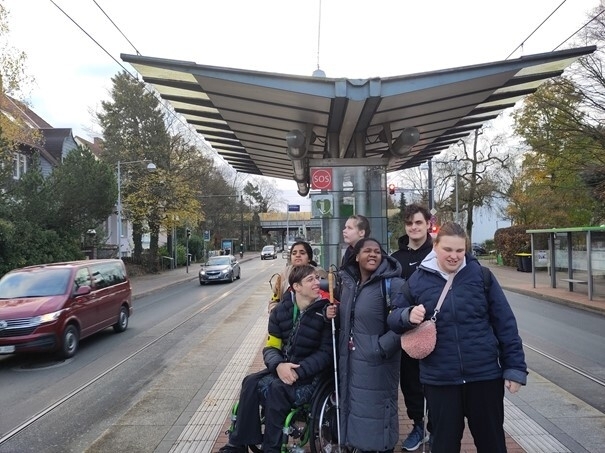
405	426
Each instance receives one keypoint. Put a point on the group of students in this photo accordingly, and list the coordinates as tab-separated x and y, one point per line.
478	353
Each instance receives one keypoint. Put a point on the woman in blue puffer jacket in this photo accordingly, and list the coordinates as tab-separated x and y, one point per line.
478	351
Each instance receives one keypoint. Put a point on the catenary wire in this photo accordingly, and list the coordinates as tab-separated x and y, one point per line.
579	29
117	28
535	30
145	85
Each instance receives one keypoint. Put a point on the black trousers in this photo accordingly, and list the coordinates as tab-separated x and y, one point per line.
279	400
411	388
482	403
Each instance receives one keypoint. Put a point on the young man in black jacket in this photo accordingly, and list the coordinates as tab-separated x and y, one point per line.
414	246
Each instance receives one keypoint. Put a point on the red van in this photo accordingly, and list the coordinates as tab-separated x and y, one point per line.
51	307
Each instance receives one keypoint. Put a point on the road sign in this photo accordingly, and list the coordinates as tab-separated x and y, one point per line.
321	178
322	205
206	235
293	208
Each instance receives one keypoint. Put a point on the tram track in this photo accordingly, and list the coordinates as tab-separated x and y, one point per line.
51	407
566	365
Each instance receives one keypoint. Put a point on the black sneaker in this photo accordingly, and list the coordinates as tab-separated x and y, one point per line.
233	449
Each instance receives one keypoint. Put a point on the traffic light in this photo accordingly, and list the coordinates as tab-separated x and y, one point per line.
391	189
188	232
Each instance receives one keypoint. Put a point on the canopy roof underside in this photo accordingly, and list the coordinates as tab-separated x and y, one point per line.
245	115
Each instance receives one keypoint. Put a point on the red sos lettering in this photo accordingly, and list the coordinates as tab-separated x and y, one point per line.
321	178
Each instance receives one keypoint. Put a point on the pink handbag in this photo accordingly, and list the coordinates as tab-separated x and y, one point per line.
419	342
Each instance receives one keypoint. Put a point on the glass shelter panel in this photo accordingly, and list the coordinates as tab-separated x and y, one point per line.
354	190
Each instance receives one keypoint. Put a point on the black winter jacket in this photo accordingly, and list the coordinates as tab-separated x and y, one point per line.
306	338
409	258
477	336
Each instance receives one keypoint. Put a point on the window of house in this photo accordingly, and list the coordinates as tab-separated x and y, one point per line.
19	165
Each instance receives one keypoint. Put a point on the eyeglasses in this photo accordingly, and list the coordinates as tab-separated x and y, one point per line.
310	279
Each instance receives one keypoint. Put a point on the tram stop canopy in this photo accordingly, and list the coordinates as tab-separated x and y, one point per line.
271	124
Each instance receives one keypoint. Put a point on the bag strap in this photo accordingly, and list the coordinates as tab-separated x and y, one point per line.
448	284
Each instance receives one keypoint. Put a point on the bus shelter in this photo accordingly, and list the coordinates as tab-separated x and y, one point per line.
573	256
290	126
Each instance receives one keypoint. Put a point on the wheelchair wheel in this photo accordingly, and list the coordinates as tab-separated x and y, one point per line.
323	421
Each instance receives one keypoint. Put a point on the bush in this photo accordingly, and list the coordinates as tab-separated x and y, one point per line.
512	240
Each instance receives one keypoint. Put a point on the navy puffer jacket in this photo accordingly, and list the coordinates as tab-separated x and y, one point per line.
306	338
477	336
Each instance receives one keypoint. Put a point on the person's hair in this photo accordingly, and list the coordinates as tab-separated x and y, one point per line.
298	273
362	223
363	241
450	229
308	249
412	209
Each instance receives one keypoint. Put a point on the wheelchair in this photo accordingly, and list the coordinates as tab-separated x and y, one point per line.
312	424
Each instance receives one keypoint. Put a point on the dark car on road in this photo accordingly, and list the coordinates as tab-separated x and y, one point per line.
223	268
478	249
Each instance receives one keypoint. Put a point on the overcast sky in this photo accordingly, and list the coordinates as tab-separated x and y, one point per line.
357	39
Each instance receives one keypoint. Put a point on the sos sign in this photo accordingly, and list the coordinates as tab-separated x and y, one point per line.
321	178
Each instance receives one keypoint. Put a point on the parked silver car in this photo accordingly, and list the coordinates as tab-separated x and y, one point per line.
219	269
268	252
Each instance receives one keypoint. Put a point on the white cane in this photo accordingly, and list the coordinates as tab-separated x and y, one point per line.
331	289
425	421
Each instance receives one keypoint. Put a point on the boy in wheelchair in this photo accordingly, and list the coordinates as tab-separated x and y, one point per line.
298	348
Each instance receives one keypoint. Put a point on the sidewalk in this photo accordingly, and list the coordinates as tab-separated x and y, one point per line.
537	418
521	282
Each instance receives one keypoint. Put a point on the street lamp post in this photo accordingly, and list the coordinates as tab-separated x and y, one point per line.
150	167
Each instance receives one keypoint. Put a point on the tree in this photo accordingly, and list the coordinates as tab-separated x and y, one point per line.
13	81
134	130
264	195
562	124
563	158
36	226
468	178
79	207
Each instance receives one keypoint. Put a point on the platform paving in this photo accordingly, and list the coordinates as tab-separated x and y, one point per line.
541	418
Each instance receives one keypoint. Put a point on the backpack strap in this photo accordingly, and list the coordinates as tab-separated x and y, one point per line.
487	281
386	291
405	289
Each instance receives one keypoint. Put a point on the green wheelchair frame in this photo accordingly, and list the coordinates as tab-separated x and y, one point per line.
311	423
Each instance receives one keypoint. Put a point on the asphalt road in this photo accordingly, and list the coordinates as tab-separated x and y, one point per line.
177	342
565	345
124	392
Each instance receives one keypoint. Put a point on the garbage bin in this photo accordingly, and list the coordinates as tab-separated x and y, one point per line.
499	260
523	262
